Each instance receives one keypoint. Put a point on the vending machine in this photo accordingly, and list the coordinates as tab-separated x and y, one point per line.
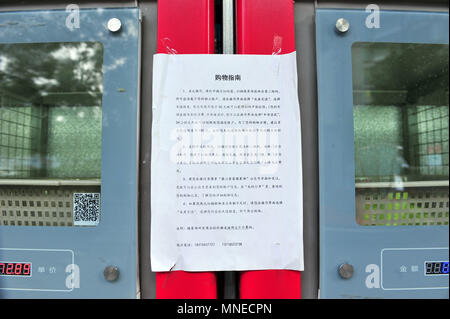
76	114
69	148
383	150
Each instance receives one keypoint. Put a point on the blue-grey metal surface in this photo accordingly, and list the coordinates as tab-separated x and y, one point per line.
113	241
342	240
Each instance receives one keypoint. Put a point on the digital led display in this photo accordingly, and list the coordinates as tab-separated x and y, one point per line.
436	268
15	269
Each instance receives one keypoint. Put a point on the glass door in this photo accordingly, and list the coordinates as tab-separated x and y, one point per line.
400	121
383	151
50	132
69	86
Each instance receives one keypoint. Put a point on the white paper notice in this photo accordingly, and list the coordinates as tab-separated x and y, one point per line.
226	171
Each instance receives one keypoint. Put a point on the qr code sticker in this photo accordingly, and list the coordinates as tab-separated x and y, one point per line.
86	209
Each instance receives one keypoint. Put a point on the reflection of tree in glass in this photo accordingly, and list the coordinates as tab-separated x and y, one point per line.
400	66
33	70
50	107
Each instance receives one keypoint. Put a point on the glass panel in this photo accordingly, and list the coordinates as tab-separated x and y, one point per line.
50	131
50	104
401	98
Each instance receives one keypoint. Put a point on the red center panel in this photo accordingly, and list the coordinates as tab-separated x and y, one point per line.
263	27
267	27
186	27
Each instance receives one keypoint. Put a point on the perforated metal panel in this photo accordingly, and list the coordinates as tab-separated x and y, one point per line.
39	205
413	206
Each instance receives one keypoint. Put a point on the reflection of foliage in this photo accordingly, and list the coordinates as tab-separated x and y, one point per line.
34	70
51	94
400	66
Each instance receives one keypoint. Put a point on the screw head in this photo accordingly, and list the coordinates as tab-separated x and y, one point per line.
346	271
342	25
111	273
114	25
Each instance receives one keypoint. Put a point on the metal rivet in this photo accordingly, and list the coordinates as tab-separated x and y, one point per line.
114	25
111	273
346	271
342	25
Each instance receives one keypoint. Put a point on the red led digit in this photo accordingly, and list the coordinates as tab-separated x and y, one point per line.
26	269
18	269
15	269
9	269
